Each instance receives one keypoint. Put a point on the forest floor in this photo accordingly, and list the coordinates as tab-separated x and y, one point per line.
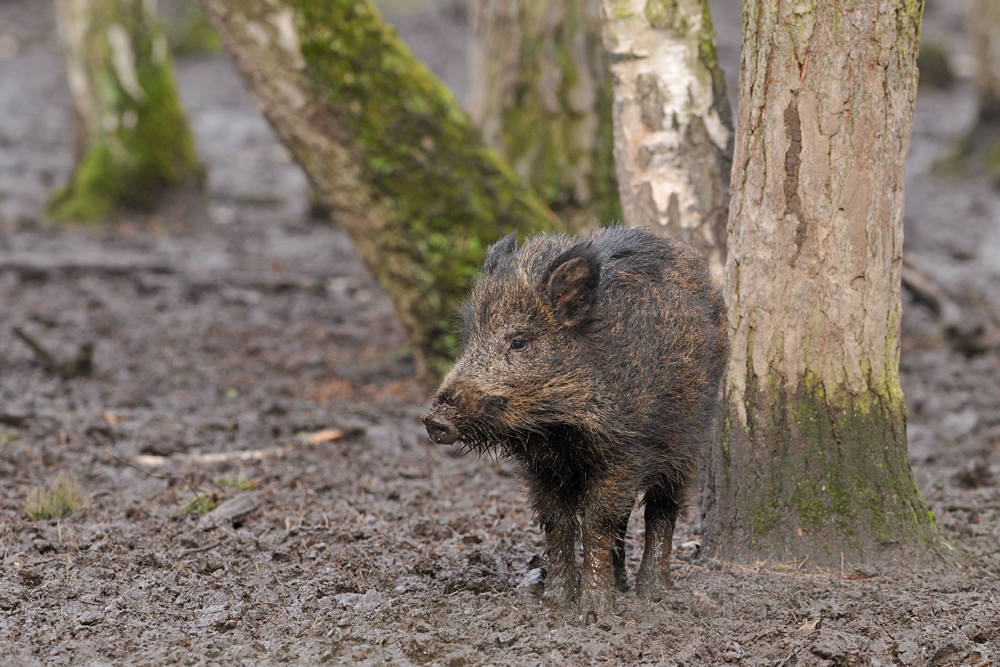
255	332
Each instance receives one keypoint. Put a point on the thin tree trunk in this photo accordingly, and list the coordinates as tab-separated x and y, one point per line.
541	93
387	148
984	23
133	141
673	126
812	461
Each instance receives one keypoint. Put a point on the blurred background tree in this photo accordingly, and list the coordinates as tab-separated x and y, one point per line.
188	29
984	24
133	143
541	95
673	126
984	20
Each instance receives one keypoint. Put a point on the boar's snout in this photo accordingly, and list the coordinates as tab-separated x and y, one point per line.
440	427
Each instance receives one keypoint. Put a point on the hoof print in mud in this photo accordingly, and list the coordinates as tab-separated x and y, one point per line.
594	364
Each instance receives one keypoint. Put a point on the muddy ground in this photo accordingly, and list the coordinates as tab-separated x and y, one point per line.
255	327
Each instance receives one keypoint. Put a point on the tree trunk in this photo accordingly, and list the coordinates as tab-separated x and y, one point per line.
984	20
387	148
673	127
541	94
133	141
812	461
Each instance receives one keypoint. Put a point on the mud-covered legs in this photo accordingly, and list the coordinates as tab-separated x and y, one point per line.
601	524
599	573
603	559
654	571
562	579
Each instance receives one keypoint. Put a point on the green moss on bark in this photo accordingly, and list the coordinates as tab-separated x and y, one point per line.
555	148
450	195
830	470
140	144
188	30
666	15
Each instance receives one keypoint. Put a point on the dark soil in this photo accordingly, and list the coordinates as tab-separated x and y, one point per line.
258	328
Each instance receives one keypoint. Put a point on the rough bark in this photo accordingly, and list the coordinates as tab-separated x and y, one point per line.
673	126
541	94
387	148
984	23
812	461
133	141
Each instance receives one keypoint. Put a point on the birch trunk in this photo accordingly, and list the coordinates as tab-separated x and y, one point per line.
133	141
541	94
388	150
984	26
812	461
673	127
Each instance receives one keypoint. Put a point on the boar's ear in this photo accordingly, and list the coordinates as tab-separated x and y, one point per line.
498	251
573	280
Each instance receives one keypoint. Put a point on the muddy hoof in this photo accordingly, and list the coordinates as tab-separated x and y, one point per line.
597	604
560	592
652	588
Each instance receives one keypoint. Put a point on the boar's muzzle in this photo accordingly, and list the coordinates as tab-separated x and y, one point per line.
440	427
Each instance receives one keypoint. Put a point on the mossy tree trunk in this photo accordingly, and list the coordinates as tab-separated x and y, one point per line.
133	141
984	23
673	125
541	94
812	460
387	148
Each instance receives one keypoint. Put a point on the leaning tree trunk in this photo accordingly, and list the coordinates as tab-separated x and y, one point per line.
387	148
985	28
812	461
541	94
673	128
133	141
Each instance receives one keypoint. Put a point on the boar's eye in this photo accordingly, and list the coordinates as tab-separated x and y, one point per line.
518	343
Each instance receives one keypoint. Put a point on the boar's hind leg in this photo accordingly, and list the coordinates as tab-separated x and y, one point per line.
562	579
618	556
654	571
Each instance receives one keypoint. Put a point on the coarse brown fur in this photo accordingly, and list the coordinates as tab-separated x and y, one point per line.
595	364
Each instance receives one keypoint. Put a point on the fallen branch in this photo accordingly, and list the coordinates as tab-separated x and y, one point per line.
13	418
968	333
318	438
37	266
927	292
80	365
215	457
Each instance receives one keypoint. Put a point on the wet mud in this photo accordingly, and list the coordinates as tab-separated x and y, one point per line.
244	354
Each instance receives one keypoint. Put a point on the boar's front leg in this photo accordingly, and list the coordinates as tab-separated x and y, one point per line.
598	581
562	578
605	512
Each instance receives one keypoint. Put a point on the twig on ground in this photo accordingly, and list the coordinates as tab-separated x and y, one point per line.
130	464
207	547
786	661
318	438
155	461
